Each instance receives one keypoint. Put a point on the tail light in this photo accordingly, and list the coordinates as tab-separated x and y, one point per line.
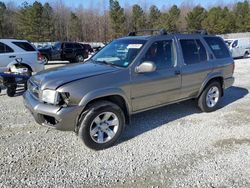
39	56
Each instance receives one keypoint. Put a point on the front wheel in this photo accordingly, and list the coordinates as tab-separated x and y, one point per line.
210	97
101	125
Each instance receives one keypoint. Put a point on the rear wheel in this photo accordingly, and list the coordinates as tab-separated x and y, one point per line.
210	97
79	58
45	59
246	55
101	125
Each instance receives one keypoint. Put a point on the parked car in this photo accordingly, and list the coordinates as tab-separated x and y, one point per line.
11	49
238	47
69	51
130	75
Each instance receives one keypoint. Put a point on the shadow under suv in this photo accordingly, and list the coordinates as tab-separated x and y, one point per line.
128	76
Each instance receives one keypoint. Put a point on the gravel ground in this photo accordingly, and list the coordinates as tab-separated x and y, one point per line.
174	146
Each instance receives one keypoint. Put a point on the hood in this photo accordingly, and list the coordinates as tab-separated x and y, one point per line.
56	77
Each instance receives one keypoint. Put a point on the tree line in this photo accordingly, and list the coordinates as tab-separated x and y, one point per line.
39	22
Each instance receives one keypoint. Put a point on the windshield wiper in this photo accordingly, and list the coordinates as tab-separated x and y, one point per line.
107	63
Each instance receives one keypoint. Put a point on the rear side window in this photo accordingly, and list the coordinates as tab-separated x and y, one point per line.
68	45
218	47
25	46
193	51
78	46
5	49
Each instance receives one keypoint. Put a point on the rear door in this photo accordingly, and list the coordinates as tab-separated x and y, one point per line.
7	55
68	50
196	65
26	51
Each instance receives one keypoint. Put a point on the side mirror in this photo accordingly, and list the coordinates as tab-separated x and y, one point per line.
147	66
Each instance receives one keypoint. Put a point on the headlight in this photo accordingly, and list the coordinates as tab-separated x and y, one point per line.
50	96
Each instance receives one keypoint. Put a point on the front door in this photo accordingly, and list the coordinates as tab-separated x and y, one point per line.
161	86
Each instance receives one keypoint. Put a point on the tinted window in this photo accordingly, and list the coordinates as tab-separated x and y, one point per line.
25	46
78	46
57	46
5	49
161	53
202	51
218	47
193	51
68	45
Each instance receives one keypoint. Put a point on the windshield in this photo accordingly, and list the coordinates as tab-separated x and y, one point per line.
119	52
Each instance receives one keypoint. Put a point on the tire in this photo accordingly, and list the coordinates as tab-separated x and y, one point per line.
99	138
79	58
210	103
46	60
246	55
11	91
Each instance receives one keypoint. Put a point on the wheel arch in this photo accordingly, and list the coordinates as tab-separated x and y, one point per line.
115	97
210	79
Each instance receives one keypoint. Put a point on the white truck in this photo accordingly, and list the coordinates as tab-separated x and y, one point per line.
238	47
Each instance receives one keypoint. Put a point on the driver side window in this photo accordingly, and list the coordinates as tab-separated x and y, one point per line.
162	54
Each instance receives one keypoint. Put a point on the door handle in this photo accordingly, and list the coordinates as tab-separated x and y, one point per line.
12	56
177	72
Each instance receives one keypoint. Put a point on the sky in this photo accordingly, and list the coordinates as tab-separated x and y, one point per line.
161	4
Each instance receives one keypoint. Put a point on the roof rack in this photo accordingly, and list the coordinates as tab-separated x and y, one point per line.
160	31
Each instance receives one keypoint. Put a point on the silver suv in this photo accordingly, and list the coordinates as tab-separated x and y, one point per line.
130	75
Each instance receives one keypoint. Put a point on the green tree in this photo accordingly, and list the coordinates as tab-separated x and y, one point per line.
48	23
74	27
138	18
117	18
2	15
154	16
241	12
218	21
195	18
169	20
30	22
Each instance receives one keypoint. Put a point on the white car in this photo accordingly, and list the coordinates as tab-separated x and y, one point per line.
12	49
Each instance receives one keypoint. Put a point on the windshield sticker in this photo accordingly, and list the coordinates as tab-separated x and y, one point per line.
135	46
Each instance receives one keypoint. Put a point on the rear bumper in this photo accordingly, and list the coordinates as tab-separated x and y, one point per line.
228	82
52	116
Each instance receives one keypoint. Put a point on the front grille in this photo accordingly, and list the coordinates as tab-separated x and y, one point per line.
33	89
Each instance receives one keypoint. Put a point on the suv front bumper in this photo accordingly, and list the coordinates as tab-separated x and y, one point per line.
61	118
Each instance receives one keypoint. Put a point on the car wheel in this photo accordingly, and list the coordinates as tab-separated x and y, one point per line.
246	55
210	97
11	91
45	59
101	125
79	58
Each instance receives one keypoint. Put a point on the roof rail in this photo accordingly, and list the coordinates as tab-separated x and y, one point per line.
160	31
